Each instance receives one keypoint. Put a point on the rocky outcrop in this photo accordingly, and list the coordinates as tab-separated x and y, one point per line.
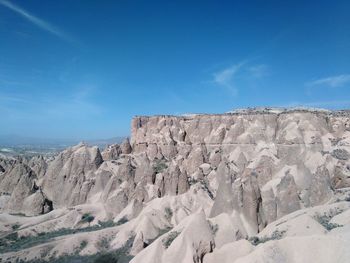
111	152
125	147
213	179
19	190
260	164
39	165
246	157
68	178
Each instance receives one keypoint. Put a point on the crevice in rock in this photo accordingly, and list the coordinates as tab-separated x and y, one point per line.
47	206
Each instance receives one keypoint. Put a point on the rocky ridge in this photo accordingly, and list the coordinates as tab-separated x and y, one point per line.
215	180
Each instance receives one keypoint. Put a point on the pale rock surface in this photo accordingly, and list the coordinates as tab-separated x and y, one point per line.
111	152
193	188
68	178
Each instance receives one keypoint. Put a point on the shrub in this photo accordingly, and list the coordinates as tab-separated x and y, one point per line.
168	213
341	154
12	236
104	224
159	166
170	238
276	235
106	258
214	227
324	221
103	244
45	251
161	232
15	226
203	184
122	220
87	218
83	244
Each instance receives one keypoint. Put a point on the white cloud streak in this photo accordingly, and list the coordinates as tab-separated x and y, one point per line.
36	21
5	99
259	71
333	82
242	73
225	77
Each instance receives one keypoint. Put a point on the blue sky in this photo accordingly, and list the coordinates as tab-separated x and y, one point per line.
82	69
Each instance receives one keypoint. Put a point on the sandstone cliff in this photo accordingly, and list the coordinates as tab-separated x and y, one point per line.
264	165
237	173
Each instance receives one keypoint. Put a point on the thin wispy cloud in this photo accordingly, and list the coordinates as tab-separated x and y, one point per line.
225	78
5	99
36	21
333	82
259	71
231	77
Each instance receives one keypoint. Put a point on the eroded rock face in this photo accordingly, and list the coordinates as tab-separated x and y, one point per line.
39	165
245	156
125	147
68	181
111	152
22	190
212	179
19	185
260	165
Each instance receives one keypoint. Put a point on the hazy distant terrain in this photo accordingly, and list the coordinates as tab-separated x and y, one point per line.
12	145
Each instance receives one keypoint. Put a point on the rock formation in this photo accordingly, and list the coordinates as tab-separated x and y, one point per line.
214	179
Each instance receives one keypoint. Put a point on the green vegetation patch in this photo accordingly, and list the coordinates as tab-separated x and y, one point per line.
13	242
122	221
87	218
170	238
168	213
15	226
159	166
214	227
121	255
324	221
276	235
